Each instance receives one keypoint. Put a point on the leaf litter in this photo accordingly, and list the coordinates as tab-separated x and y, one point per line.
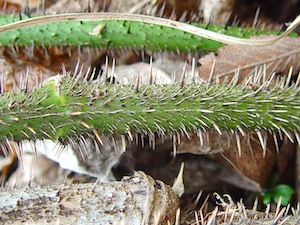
249	61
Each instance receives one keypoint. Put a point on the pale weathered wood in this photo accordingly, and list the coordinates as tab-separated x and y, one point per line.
133	200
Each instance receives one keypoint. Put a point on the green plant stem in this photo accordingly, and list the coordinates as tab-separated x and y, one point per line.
118	31
80	108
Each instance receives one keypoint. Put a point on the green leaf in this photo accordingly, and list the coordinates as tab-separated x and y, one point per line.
266	197
284	191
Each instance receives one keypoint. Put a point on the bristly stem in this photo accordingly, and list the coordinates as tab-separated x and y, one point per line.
117	30
73	109
69	109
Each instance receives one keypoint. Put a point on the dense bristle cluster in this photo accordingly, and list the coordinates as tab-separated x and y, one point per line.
67	108
231	213
79	110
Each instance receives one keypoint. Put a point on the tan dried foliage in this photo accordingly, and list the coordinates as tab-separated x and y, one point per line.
252	164
55	6
178	9
252	60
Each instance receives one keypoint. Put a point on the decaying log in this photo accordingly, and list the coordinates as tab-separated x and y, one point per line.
134	200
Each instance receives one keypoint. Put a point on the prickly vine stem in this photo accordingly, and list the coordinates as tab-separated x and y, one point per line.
124	30
70	108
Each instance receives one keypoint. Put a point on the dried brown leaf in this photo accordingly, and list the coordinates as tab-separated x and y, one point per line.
177	9
250	162
56	6
252	60
30	3
242	153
